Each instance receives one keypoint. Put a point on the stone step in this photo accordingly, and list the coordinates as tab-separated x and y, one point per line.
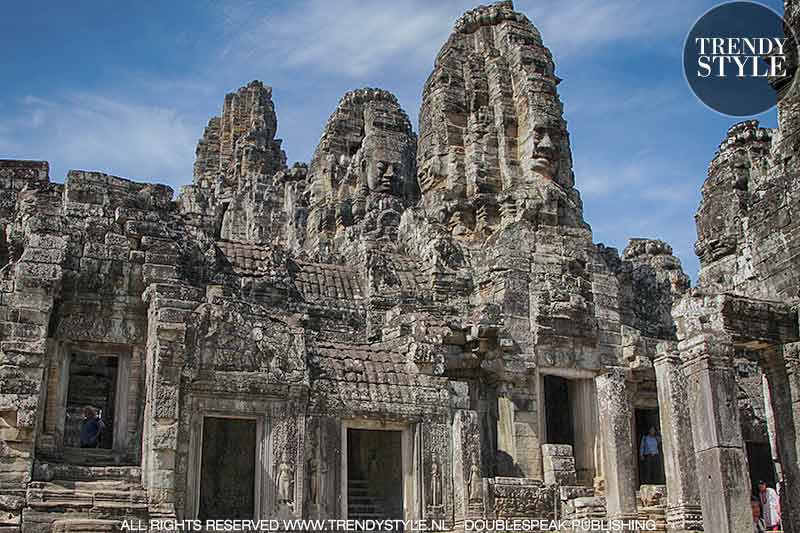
117	485
363	497
99	521
53	496
45	471
86	525
368	506
84	457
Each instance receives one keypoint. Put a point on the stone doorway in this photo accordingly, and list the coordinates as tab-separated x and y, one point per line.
92	383
560	427
651	471
569	416
374	474
228	468
760	464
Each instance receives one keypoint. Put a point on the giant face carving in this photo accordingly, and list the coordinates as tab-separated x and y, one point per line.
545	158
380	176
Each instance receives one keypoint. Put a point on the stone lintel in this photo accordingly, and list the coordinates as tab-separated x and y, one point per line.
748	322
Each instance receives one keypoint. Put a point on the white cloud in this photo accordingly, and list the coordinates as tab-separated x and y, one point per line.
673	192
304	42
353	38
578	26
646	176
91	132
605	181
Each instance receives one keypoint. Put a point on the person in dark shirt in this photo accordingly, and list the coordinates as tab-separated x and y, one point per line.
91	428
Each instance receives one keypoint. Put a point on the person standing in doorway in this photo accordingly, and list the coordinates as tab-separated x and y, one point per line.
770	506
649	456
91	428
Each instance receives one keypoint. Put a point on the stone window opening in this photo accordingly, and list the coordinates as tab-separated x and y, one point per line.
92	386
98	380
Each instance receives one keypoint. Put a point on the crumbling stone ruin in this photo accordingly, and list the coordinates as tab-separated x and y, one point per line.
412	326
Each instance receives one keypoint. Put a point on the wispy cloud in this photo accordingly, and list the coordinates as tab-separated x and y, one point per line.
610	178
350	37
647	176
353	38
91	132
672	192
581	26
604	99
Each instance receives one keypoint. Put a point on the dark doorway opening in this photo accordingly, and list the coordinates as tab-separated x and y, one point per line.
228	469
558	411
374	474
762	468
650	452
92	383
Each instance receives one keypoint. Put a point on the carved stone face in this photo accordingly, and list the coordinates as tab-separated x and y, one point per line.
741	170
545	159
380	177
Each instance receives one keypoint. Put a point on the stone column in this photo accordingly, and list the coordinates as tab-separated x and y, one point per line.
615	414
468	494
506	446
683	497
584	416
527	441
769	414
722	473
782	368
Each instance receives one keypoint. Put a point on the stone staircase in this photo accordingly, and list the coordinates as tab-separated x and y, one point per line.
360	504
75	498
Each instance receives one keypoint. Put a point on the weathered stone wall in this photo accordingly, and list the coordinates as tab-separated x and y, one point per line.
734	330
29	283
425	284
747	239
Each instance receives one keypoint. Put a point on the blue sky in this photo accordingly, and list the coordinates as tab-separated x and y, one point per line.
127	87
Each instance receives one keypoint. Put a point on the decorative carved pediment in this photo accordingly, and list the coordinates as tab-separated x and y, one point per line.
233	341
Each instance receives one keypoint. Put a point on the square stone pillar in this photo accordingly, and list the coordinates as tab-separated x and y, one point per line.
468	496
683	497
584	416
506	442
722	473
527	440
619	463
782	368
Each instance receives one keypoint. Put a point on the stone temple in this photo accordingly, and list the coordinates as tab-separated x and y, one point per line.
412	325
